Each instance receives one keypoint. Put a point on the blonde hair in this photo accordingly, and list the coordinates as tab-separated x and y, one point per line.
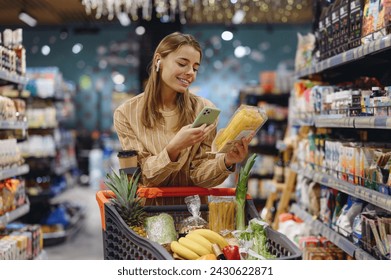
186	102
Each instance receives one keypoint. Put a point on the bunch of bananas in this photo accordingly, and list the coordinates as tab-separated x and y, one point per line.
197	243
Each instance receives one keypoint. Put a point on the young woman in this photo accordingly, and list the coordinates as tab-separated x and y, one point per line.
157	122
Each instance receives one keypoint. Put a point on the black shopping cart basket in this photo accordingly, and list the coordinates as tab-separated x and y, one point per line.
122	243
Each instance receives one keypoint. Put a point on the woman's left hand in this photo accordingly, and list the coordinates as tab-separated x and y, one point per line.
238	152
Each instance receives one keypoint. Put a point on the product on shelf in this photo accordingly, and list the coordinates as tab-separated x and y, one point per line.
12	195
10	154
12	52
20	242
44	82
376	22
8	109
305	46
355	29
315	248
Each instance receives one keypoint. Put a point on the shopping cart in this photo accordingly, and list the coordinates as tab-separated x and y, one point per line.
122	243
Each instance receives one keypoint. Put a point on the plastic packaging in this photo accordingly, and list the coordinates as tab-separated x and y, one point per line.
246	120
195	221
253	241
161	228
222	214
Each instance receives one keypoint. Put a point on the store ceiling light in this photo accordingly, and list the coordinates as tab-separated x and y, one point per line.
238	17
45	50
227	35
201	11
77	48
27	19
123	19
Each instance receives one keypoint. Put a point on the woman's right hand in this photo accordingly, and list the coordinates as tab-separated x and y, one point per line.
187	137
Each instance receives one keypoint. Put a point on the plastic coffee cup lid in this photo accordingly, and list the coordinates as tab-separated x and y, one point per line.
127	153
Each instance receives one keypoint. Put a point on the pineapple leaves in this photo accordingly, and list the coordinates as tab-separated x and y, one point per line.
126	200
124	189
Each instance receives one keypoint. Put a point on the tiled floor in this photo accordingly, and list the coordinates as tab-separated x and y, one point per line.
86	244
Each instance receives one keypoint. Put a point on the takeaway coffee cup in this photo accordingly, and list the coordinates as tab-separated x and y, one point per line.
127	159
128	162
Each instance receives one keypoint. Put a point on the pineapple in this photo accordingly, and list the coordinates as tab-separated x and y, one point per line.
126	201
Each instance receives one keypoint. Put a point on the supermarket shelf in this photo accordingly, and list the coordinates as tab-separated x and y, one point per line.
372	122
12	78
14	93
330	234
334	121
368	195
55	238
15	214
306	121
363	53
13	124
42	127
16	171
340	121
46	195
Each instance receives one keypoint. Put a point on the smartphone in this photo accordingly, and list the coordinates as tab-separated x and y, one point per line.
208	115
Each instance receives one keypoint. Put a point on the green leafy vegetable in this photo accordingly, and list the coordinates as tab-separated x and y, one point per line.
241	192
161	228
259	240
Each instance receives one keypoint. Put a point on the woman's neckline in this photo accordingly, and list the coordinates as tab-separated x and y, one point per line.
168	112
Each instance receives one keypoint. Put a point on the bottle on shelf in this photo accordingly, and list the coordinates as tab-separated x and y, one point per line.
20	51
7	53
375	98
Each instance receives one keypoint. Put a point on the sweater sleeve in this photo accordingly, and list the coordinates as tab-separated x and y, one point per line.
206	172
156	169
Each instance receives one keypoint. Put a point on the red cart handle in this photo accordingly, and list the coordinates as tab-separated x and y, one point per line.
103	196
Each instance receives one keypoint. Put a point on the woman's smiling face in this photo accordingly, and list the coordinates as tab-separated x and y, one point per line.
179	69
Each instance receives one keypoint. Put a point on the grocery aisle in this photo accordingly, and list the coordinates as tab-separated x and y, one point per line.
87	243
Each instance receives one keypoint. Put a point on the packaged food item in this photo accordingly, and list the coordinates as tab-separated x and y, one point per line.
195	221
222	214
161	228
246	120
376	20
253	241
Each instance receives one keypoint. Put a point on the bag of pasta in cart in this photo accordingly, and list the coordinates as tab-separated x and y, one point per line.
222	214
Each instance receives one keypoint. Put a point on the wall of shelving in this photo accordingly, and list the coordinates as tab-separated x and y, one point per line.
313	162
51	154
18	241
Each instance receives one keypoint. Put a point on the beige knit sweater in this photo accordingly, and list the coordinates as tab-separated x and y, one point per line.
193	168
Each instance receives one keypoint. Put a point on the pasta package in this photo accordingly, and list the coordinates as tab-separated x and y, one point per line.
246	120
222	214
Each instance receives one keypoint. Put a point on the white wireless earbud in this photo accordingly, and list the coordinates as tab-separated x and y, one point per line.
158	65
